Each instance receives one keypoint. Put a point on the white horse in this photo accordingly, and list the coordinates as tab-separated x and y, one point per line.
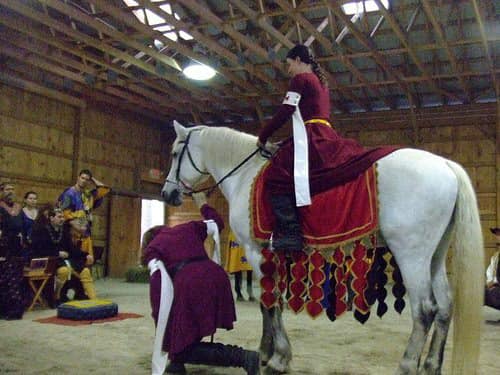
425	201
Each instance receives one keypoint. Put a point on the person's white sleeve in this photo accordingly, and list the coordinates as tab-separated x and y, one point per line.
213	230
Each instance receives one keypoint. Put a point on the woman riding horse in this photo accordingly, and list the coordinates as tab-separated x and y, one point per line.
316	158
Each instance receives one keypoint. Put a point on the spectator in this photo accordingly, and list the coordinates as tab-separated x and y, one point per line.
78	202
492	293
11	262
29	212
236	264
52	237
202	298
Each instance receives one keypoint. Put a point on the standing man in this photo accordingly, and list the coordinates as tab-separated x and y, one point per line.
78	202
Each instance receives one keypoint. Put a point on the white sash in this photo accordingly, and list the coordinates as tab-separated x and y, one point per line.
159	359
300	154
213	230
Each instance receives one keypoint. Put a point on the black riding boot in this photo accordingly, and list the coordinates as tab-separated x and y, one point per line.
287	234
175	368
215	354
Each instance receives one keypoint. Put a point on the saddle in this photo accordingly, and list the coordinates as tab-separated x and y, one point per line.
341	215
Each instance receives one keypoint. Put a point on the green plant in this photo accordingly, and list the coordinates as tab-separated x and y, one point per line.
137	274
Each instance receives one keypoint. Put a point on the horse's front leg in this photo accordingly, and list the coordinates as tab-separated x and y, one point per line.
266	342
275	345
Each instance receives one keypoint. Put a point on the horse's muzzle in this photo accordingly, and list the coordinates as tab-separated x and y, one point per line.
173	199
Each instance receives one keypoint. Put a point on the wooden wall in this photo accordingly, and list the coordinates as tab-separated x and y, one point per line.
45	142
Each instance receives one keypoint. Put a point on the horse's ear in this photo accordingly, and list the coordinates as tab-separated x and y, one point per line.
179	129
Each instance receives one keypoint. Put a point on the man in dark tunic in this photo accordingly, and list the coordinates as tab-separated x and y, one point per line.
202	296
11	261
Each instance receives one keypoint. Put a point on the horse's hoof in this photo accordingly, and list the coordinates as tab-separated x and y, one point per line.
277	365
430	369
270	371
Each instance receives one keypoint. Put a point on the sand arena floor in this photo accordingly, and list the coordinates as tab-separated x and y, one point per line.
320	347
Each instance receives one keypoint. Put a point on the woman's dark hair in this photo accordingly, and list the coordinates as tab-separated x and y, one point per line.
29	193
147	238
45	213
304	54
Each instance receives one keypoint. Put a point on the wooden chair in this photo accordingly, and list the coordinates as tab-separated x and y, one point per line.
97	269
38	274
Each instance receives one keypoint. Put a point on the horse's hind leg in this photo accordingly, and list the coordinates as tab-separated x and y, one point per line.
442	320
281	351
418	284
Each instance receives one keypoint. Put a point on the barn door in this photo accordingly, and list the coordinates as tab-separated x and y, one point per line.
124	234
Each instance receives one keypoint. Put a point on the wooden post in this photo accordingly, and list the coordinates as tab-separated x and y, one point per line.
497	166
77	131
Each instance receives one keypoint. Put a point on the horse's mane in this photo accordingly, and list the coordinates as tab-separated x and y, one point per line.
228	146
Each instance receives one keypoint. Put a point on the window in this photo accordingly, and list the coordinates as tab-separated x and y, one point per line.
157	22
152	213
356	7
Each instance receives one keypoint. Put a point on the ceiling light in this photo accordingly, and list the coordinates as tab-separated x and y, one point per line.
199	72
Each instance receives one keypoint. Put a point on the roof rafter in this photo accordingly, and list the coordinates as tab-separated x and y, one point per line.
442	39
368	44
486	47
132	21
411	52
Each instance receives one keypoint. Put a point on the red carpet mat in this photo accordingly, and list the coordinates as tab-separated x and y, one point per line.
69	322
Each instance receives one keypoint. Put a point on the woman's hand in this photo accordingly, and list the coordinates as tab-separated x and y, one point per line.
199	199
63	254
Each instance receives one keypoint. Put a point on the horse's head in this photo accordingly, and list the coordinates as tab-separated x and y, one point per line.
187	168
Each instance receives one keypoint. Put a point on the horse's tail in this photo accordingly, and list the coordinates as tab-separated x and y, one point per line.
468	277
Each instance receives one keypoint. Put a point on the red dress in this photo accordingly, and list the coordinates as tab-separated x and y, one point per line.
333	160
203	300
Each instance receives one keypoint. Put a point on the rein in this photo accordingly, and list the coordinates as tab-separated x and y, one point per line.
212	188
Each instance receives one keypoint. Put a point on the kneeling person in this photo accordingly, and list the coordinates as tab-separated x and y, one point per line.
202	297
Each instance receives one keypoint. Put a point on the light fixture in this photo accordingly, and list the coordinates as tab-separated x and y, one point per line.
199	72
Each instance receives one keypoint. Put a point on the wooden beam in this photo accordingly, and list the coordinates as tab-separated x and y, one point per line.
36	88
203	12
77	136
260	20
368	44
38	62
133	22
133	83
207	41
442	40
39	17
411	52
484	39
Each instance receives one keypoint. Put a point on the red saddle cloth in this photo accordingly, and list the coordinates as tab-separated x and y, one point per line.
341	266
343	214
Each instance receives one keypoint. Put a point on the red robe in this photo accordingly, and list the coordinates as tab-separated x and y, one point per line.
203	300
333	160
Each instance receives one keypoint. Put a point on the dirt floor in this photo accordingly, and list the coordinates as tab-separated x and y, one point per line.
320	347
